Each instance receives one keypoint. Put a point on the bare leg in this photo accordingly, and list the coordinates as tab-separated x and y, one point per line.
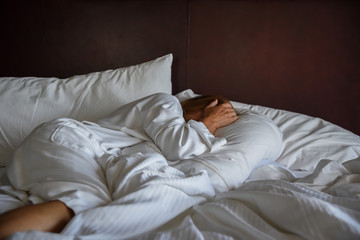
48	217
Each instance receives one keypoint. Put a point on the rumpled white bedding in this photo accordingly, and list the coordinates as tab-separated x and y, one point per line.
263	209
71	161
312	191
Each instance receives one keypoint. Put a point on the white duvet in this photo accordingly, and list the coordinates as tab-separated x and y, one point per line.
310	191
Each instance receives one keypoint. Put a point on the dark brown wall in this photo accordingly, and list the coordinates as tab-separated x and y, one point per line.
298	55
301	56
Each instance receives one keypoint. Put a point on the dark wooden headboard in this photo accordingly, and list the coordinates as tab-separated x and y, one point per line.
302	56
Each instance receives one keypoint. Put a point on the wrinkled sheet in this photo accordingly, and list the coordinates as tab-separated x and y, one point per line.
259	209
312	191
272	209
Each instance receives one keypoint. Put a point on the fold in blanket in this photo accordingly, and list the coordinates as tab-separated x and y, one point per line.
271	209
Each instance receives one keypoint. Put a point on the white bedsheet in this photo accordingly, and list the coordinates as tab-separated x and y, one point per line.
311	192
262	209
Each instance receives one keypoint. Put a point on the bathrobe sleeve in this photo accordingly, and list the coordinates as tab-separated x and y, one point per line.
159	118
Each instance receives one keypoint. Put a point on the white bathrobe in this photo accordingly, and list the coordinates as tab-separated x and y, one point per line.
88	165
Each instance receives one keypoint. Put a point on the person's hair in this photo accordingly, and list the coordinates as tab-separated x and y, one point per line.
199	103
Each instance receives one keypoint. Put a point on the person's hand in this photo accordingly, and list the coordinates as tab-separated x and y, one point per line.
217	116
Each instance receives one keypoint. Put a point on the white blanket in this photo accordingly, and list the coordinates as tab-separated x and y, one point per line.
263	209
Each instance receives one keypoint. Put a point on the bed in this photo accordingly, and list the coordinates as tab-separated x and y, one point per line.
289	175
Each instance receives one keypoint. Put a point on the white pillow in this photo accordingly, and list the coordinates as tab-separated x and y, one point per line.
29	101
251	139
306	139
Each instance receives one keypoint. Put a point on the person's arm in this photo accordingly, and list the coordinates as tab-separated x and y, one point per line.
49	217
165	125
160	118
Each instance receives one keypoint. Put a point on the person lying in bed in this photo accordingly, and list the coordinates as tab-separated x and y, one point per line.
65	150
